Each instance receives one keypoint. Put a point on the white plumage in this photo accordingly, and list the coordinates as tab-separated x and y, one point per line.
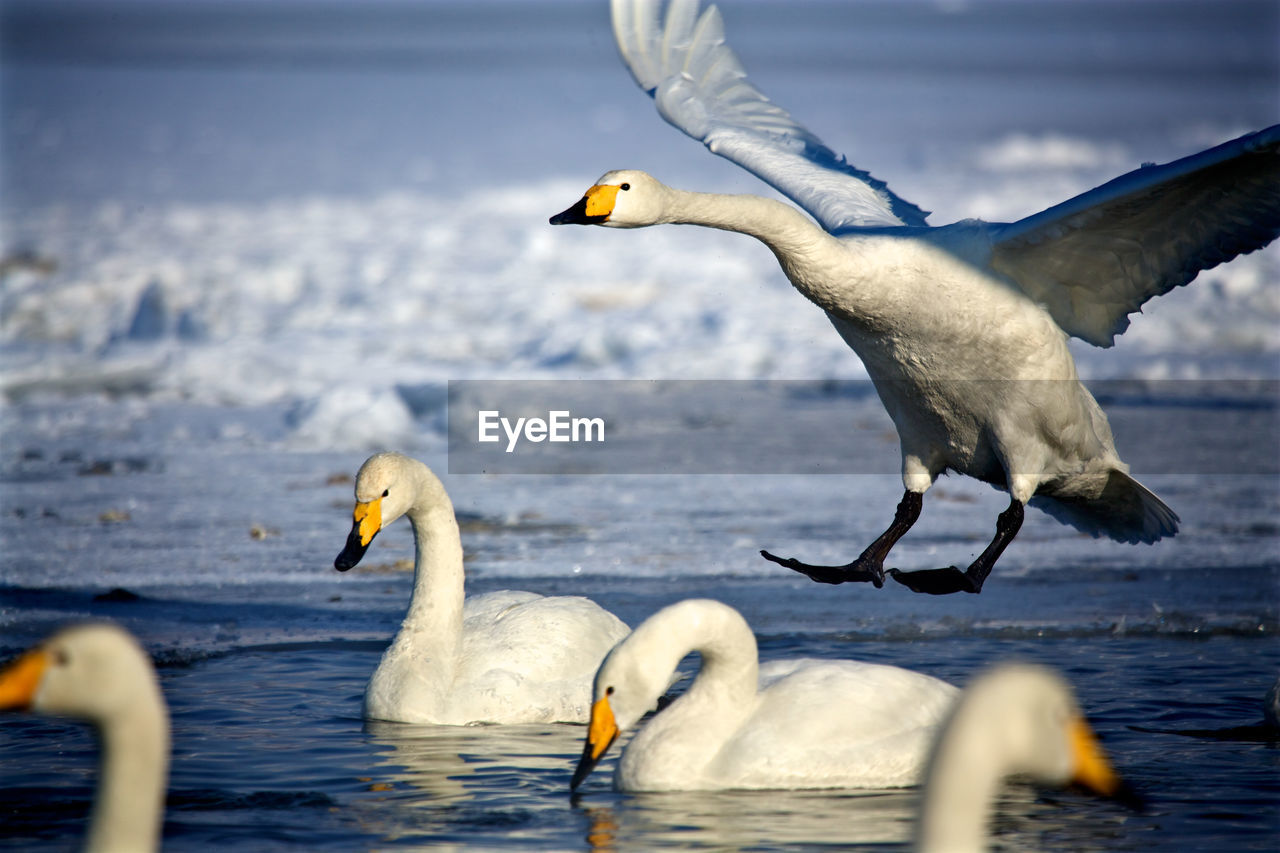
99	673
501	657
962	328
1015	720
788	724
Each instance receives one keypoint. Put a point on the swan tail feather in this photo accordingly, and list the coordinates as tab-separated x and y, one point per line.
1114	505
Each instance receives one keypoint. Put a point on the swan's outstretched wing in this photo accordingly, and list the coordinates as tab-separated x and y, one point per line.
1096	258
699	85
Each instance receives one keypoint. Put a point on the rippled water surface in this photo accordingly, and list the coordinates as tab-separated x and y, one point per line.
270	753
263	652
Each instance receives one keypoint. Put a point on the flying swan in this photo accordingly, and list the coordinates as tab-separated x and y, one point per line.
963	328
788	724
501	657
1014	720
99	673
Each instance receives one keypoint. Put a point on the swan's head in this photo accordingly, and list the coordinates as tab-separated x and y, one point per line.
1014	720
625	199
624	692
95	672
1045	730
387	486
1026	721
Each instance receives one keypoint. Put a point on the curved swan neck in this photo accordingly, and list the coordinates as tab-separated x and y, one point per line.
779	226
984	738
677	745
129	806
960	784
438	579
730	661
821	267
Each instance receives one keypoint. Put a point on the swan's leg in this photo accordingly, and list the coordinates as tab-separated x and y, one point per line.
870	563
951	579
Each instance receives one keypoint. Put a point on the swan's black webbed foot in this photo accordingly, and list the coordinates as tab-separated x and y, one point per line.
951	579
936	581
859	571
869	566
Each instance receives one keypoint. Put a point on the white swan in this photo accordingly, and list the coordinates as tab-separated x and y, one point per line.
1013	720
963	328
789	724
502	657
100	674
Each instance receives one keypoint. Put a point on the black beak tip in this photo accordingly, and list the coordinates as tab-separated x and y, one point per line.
351	553
1130	798
579	776
586	764
577	215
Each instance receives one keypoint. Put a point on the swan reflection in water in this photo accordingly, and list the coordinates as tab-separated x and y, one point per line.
478	786
737	819
432	782
454	763
1024	818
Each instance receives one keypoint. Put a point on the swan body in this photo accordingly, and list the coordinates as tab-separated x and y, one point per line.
1013	720
502	657
791	724
99	673
962	328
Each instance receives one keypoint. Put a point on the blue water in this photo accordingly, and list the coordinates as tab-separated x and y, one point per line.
270	754
263	650
265	237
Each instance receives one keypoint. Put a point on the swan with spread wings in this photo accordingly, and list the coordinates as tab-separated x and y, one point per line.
963	328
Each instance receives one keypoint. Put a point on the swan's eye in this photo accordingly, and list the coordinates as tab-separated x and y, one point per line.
386	492
625	187
60	657
608	691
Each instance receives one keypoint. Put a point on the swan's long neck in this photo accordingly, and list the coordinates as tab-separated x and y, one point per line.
129	806
961	784
434	619
730	670
811	258
677	745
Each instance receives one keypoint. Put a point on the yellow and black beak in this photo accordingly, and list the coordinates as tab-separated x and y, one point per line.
21	679
367	523
601	733
1093	771
593	208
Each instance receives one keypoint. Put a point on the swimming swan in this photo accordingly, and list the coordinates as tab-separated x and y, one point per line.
1015	719
100	674
789	724
962	328
502	657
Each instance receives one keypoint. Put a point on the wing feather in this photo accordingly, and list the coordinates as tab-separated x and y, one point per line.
1096	258
699	86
